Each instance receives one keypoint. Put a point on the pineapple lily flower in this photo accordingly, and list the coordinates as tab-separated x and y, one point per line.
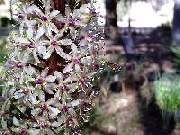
46	25
50	69
55	44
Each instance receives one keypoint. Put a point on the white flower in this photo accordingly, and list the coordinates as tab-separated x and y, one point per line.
25	23
54	111
75	63
45	19
53	44
29	46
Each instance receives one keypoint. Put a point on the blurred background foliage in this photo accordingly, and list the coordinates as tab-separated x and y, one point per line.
3	50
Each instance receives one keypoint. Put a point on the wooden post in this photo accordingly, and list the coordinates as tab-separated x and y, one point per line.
176	24
111	19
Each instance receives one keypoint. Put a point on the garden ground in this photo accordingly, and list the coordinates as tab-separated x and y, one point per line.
131	109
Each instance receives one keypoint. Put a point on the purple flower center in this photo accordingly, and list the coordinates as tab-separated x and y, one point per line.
82	81
64	109
19	65
70	122
77	61
44	18
95	66
39	81
62	87
23	131
43	125
20	16
71	22
43	107
53	33
53	43
31	45
93	12
5	132
86	106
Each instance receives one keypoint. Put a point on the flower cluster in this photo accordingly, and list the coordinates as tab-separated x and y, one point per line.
50	70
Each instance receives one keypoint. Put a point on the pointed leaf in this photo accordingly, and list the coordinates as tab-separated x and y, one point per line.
41	50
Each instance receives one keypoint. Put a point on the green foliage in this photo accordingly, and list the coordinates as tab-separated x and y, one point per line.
5	22
3	58
3	51
167	92
176	53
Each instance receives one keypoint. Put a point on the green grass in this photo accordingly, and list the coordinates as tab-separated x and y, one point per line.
167	92
3	50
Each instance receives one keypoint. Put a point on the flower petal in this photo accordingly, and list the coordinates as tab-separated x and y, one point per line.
68	68
54	111
59	122
41	96
47	4
22	40
49	91
50	87
62	54
77	67
75	103
66	41
50	78
32	99
40	32
33	8
18	95
41	50
67	12
35	56
30	30
54	13
50	50
44	72
29	70
59	75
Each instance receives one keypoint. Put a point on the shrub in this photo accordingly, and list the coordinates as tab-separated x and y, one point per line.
5	22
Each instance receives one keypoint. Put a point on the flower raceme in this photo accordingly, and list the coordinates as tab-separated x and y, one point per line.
48	82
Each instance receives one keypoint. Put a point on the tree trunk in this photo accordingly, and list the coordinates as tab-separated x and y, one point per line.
59	5
10	10
111	19
176	24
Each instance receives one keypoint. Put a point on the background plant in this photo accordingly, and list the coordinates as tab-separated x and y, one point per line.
167	92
